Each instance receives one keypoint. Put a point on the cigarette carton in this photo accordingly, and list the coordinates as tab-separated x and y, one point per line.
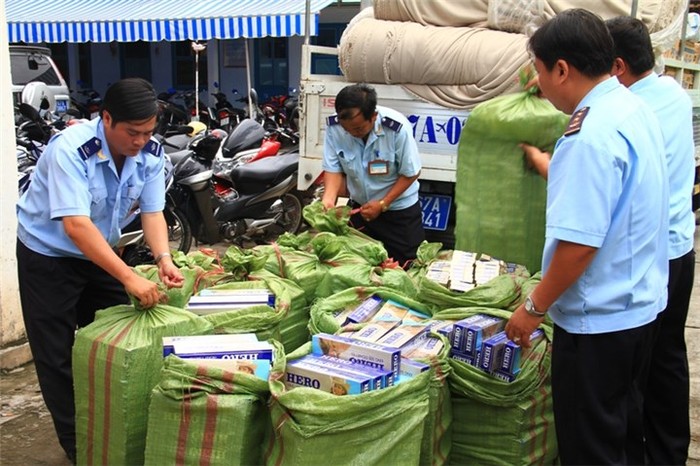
439	271
250	351
410	368
381	378
357	351
392	311
427	348
300	373
238	338
365	311
259	368
514	355
459	331
403	336
374	331
341	315
472	360
213	301
504	376
492	351
415	318
480	330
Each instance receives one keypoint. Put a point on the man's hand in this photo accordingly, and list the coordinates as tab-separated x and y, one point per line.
169	274
370	210
536	159
521	325
144	290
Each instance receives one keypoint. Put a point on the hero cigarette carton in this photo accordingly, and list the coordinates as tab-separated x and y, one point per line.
250	351
404	336
514	355
381	378
238	338
426	349
211	301
365	311
391	311
300	373
374	331
357	351
492	351
459	331
504	376
259	368
472	360
341	315
480	330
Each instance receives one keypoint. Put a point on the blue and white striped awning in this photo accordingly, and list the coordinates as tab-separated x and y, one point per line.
35	21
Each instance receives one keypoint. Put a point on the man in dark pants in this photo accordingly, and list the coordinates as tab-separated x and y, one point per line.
87	181
370	150
605	260
666	398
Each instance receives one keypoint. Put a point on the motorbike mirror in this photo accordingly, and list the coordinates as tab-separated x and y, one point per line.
253	96
32	63
216	84
44	105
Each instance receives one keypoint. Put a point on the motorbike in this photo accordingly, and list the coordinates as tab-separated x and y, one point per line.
88	105
254	201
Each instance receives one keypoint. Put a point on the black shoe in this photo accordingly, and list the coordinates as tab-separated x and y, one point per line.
71	456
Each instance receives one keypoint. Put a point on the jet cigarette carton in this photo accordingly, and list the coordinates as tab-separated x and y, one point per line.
374	331
357	351
365	311
404	335
480	330
415	318
234	339
514	355
341	315
410	369
381	377
226	300
459	331
439	271
259	368
392	311
492	351
300	373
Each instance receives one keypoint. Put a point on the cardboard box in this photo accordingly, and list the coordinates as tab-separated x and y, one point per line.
357	351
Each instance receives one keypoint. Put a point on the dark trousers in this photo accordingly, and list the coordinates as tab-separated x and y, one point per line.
58	295
666	403
401	231
597	383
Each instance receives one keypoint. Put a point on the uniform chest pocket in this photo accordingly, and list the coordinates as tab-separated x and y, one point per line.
129	200
98	206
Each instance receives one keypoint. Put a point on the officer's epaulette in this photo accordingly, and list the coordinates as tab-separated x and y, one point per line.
332	120
576	121
391	124
90	148
152	147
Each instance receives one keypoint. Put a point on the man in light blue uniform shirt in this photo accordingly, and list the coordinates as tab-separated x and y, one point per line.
605	261
667	395
370	154
86	182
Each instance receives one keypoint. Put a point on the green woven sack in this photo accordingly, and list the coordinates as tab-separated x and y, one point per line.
177	297
502	423
301	267
500	203
351	275
287	322
116	363
311	427
204	415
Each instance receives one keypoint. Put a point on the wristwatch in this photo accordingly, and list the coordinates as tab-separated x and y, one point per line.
530	308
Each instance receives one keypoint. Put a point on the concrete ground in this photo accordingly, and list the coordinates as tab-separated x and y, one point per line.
27	437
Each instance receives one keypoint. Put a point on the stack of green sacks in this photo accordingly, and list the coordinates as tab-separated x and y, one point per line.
116	364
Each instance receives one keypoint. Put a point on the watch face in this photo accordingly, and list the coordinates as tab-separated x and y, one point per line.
529	307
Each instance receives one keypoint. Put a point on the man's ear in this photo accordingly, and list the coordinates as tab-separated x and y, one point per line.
619	67
561	69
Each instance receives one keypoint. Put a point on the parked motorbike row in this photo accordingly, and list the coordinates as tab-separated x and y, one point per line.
237	185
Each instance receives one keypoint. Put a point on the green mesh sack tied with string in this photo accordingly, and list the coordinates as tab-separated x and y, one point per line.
500	202
206	415
501	423
116	363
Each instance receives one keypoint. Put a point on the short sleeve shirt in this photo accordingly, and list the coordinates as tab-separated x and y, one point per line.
607	188
76	176
390	141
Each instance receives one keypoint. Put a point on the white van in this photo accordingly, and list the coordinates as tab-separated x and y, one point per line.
31	64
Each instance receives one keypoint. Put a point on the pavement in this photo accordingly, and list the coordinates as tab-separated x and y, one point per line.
27	437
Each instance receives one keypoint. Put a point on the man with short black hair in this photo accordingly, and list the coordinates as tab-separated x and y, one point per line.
86	183
370	152
605	261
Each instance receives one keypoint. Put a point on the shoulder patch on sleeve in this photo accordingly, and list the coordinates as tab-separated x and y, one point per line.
391	124
152	147
332	120
576	122
90	148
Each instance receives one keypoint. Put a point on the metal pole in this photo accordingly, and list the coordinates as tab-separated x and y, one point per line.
195	117
247	75
307	23
635	5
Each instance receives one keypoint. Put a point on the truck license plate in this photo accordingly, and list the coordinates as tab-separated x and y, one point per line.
436	211
61	106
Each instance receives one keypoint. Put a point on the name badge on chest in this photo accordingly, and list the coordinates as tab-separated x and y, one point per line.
378	167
